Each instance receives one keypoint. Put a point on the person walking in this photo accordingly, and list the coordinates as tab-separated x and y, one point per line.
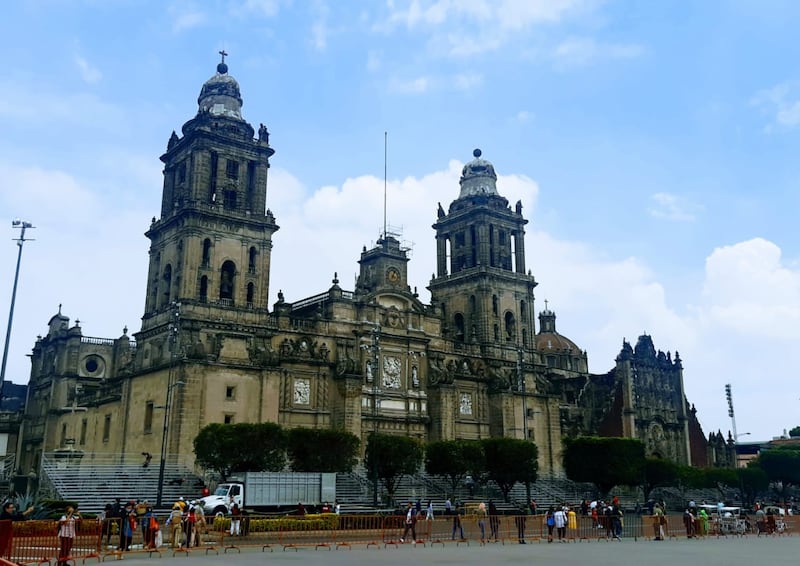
410	523
429	511
66	534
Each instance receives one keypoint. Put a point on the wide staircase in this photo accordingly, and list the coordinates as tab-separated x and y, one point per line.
93	480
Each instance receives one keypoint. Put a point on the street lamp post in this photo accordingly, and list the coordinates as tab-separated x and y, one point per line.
22	225
174	329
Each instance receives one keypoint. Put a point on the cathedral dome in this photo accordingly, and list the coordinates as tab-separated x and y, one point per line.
553	342
220	95
478	177
548	340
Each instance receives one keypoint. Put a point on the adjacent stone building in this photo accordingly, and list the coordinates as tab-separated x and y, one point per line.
469	365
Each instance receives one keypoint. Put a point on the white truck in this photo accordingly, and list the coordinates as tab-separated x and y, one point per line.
271	491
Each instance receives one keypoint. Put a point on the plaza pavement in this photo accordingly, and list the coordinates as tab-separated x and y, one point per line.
772	551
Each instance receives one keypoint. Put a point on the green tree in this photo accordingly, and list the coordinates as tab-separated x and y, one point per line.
454	460
605	462
322	450
389	458
658	473
244	447
782	465
510	460
795	432
752	481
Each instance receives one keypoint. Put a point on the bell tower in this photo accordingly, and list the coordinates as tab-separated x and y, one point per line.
211	245
481	286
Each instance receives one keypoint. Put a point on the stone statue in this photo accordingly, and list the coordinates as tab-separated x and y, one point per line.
263	134
440	212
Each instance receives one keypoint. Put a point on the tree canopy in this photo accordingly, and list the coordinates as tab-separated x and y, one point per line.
322	450
389	458
510	460
795	432
605	462
242	447
454	460
658	473
781	465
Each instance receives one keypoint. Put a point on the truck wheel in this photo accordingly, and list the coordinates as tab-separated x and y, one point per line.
220	510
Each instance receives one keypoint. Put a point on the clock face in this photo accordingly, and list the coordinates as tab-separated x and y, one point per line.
393	275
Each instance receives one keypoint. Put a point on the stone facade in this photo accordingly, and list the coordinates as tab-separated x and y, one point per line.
469	365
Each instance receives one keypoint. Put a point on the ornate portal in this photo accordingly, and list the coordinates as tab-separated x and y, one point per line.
465	407
302	392
391	372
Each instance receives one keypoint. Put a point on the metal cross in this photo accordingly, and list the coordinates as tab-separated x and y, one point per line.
224	54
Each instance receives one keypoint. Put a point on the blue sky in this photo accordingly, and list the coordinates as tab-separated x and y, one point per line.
653	146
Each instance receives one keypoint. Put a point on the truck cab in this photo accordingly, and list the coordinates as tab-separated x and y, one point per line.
223	498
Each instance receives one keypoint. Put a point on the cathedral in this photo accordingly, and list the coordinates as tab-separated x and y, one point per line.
469	365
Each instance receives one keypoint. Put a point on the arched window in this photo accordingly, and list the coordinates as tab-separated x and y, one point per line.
251	291
166	285
206	252
203	289
458	320
227	278
251	259
511	327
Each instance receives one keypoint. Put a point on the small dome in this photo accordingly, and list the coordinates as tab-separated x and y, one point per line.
220	95
478	177
553	342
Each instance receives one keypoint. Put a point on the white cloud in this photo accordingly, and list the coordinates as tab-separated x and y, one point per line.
523	116
579	51
89	73
265	8
671	207
319	27
418	85
467	81
374	61
470	27
781	103
186	16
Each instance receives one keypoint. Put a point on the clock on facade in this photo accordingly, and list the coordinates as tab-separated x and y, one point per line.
393	275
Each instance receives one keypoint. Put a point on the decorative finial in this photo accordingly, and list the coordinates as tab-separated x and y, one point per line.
77	322
222	68
545	305
477	153
59	308
335	278
125	330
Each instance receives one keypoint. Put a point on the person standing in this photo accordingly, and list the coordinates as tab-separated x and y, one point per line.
127	527
175	526
66	534
200	526
482	514
410	523
457	527
429	511
236	520
494	521
572	522
560	523
9	515
550	521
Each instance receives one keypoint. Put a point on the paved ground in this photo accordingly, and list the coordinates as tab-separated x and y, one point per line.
708	552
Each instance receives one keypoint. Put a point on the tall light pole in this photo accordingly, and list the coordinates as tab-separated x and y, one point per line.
22	225
174	329
732	415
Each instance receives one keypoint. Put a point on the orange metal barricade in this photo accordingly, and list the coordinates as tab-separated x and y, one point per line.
35	542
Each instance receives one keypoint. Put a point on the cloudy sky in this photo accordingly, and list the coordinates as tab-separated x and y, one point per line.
654	147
